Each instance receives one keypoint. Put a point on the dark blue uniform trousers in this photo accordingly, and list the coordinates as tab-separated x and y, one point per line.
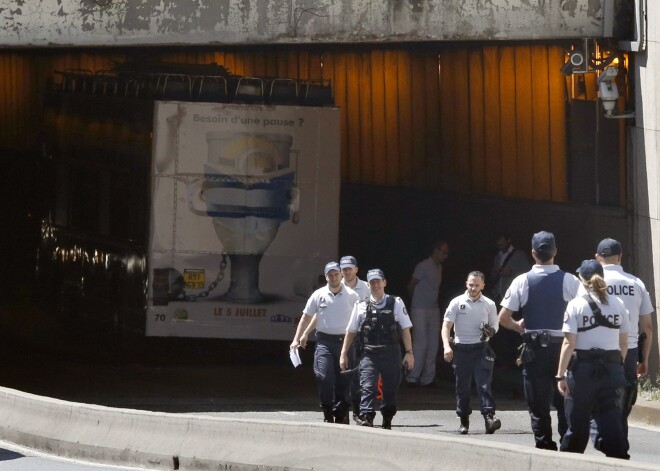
595	391
629	398
386	361
540	389
469	363
354	387
332	385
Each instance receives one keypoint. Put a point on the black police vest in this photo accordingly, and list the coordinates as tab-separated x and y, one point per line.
380	328
545	301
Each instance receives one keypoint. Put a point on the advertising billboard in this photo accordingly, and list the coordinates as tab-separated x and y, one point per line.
244	215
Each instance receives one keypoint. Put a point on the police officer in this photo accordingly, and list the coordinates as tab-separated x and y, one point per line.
333	305
596	328
474	319
541	295
632	291
349	269
382	322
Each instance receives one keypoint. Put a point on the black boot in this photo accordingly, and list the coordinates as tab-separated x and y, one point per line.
492	423
465	425
365	421
328	417
552	446
387	423
342	418
356	412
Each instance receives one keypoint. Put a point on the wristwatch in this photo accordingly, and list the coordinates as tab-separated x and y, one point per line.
560	378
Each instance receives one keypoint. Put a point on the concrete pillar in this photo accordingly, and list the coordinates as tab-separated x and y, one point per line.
645	168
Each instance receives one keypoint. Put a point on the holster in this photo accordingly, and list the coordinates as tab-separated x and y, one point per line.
525	353
629	397
487	357
641	340
573	361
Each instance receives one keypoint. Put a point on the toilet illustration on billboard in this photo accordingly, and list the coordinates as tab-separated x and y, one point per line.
248	189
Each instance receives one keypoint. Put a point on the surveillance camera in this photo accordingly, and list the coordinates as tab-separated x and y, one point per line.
575	63
576	58
609	74
608	90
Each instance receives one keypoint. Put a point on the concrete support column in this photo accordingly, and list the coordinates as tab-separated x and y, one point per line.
645	169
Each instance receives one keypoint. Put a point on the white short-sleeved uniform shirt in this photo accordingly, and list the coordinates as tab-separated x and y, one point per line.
360	309
632	291
515	297
467	316
361	288
579	315
333	311
425	294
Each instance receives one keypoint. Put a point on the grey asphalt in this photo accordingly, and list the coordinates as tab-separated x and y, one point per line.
17	458
515	428
235	381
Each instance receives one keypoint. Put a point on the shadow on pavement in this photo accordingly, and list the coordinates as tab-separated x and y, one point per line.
183	374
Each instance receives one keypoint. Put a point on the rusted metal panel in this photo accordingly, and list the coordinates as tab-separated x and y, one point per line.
524	120
482	119
557	103
540	123
477	123
166	22
493	157
508	128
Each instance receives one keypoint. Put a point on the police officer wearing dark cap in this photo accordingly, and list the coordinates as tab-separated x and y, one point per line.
349	269
590	372
632	291
382	322
474	319
332	304
541	295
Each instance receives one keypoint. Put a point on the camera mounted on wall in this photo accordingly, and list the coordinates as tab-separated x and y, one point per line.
579	60
588	57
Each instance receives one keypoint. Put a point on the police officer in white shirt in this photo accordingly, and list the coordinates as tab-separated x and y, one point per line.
541	295
474	319
333	305
596	329
349	269
382	322
632	291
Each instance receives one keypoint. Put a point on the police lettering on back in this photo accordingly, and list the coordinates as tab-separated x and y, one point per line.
614	290
588	321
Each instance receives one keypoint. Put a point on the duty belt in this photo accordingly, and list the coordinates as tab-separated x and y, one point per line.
376	348
468	347
598	354
541	339
329	337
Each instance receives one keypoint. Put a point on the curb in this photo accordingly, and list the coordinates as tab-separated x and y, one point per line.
645	413
179	441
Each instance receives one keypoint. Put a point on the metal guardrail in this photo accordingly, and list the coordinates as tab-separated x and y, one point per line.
177	86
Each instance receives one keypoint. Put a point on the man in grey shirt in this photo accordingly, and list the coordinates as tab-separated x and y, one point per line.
424	287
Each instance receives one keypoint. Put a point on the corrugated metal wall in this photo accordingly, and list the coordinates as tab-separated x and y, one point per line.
482	119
